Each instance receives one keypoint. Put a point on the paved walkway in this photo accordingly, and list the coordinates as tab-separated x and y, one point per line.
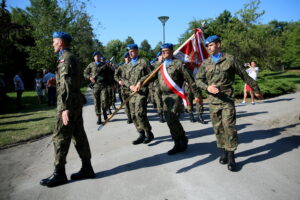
268	160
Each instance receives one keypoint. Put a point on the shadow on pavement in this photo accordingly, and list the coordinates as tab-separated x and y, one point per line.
276	100
271	150
247	114
193	150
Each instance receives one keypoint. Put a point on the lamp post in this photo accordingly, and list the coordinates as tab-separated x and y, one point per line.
163	20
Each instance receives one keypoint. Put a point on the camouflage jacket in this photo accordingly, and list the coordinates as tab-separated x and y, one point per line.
136	73
68	83
222	75
120	73
179	74
102	73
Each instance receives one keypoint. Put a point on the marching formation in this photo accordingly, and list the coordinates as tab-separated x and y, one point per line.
173	83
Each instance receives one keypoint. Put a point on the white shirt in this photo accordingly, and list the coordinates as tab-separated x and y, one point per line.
253	72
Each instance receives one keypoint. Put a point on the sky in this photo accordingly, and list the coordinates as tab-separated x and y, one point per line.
118	19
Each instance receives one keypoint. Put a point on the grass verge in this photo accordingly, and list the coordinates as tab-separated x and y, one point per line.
32	122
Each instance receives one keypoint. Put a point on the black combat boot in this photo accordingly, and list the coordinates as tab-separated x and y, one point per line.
85	172
201	120
104	114
192	117
149	137
140	139
109	111
176	148
129	120
99	120
183	142
223	157
58	177
231	161
161	118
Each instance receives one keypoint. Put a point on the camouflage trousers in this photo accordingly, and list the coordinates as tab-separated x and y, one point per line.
125	94
158	100
223	117
63	135
199	106
171	106
101	99
111	95
138	111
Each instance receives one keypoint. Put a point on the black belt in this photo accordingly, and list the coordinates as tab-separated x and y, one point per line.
221	88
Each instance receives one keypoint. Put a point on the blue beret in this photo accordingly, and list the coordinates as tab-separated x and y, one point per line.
158	54
213	38
132	46
62	35
166	46
96	53
126	55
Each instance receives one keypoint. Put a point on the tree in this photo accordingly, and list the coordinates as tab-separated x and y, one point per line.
249	15
145	46
290	55
129	40
47	16
12	34
114	48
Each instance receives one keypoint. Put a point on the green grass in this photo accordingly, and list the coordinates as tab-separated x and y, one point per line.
33	121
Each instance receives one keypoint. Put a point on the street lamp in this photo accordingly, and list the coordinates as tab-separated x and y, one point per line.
163	20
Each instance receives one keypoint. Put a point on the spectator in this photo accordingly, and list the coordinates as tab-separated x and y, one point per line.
50	83
19	88
252	72
39	87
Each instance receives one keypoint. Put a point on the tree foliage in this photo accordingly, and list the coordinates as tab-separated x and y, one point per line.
272	45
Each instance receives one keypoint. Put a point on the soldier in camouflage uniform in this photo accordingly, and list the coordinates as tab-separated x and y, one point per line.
69	122
138	71
171	102
125	91
190	97
199	105
216	76
157	95
98	73
111	87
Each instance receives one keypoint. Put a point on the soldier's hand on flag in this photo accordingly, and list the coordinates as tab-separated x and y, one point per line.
138	86
65	117
213	89
132	88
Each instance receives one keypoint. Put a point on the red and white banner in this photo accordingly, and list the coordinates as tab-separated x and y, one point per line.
179	91
192	53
